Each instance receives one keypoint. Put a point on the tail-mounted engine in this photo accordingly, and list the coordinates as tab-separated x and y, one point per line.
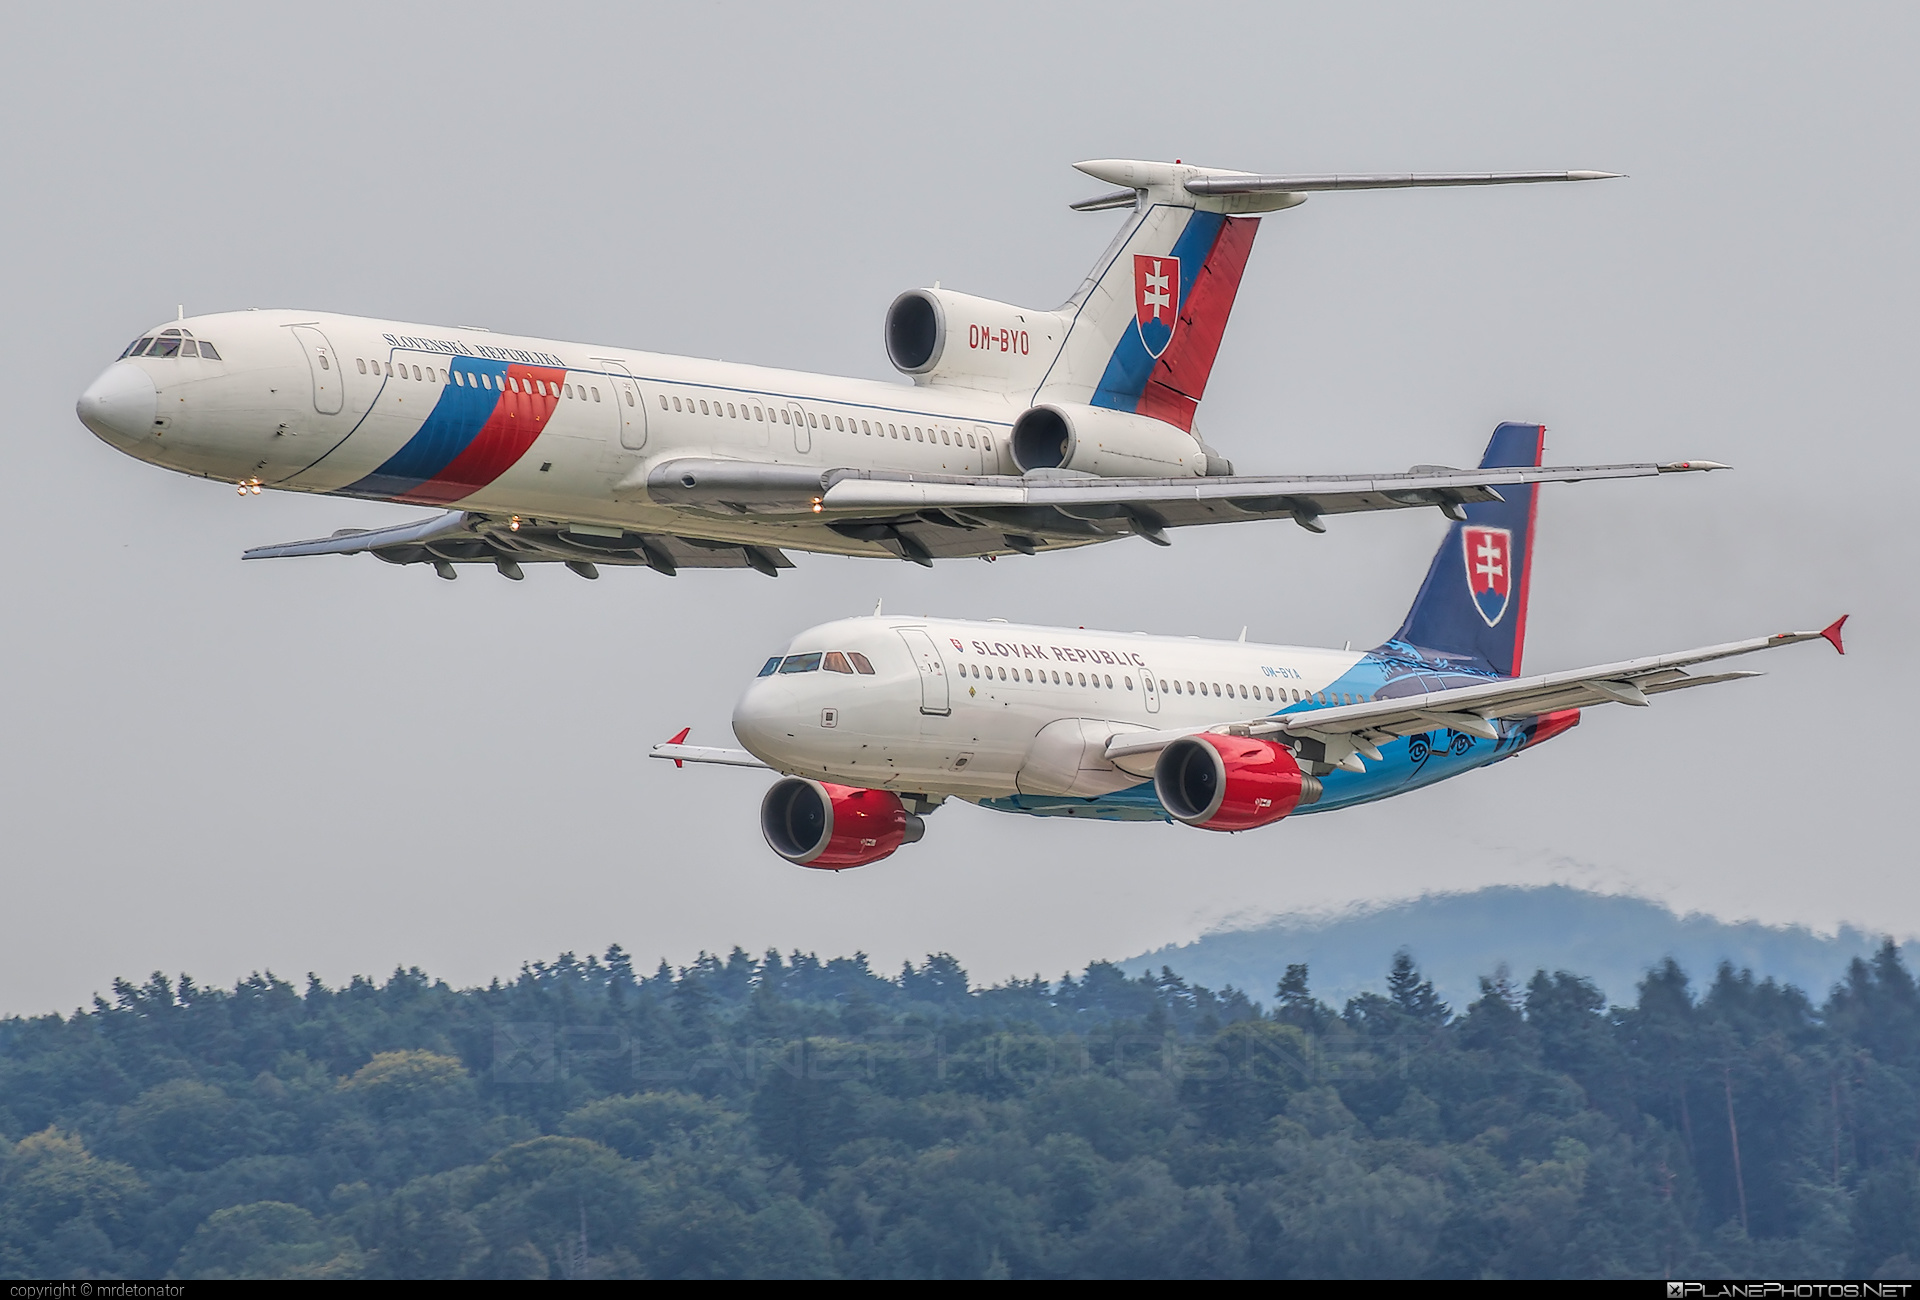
1230	783
1111	444
834	826
942	337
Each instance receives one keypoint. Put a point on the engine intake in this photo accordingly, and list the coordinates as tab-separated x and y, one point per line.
1111	444
834	826
942	337
1230	783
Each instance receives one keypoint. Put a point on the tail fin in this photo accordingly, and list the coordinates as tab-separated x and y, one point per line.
1473	605
1146	325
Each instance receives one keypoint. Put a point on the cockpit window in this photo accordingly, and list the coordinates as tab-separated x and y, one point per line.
766	669
835	662
805	663
171	343
861	664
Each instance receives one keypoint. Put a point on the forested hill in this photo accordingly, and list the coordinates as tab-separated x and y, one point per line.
1612	939
792	1117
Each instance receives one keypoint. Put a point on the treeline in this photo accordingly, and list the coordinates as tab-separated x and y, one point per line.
797	1118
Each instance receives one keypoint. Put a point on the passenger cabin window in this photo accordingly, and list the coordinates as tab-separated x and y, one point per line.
835	662
595	391
767	669
861	664
805	663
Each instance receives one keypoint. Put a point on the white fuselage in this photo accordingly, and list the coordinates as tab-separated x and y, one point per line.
324	403
985	711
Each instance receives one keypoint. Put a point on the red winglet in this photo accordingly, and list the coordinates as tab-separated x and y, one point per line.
681	737
1832	632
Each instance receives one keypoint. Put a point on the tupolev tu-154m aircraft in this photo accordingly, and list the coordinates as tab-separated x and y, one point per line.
874	722
1022	430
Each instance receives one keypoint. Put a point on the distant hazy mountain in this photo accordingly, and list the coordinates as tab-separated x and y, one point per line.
1456	938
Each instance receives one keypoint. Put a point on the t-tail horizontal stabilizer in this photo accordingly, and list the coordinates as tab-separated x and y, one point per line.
1176	181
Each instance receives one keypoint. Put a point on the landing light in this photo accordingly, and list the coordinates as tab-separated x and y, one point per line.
513	524
247	485
817	507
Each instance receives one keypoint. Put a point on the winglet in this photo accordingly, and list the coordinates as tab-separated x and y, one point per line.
682	736
1832	632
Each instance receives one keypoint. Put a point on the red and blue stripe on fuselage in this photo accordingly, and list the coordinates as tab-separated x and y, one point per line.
477	431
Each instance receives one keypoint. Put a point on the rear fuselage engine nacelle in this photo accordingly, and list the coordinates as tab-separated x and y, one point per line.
957	340
832	827
1230	783
1110	444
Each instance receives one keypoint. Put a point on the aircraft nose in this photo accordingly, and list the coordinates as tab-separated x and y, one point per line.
119	406
765	720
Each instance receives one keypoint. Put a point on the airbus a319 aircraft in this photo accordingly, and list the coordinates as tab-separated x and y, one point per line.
874	722
1022	431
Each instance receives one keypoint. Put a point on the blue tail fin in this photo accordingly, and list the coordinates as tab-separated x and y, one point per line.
1473	606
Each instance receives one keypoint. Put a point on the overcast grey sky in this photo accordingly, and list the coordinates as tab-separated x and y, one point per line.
338	766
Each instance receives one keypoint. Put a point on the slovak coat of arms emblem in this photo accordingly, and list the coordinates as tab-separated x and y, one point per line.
1156	300
1489	556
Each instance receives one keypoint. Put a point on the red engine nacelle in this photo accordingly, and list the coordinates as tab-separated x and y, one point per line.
834	826
1230	783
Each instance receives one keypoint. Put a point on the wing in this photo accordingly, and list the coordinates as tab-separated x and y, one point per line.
682	754
1346	731
922	516
461	537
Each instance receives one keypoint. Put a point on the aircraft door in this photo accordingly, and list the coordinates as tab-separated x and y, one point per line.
1151	689
989	456
802	437
630	407
329	385
933	671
